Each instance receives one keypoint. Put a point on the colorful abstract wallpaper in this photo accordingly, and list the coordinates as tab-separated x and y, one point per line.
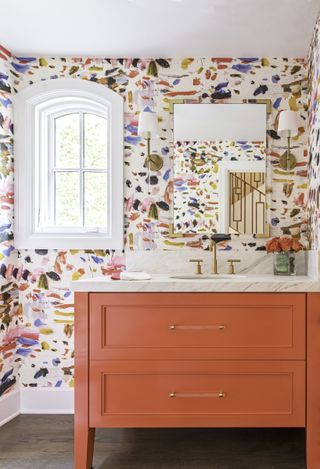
314	140
36	309
197	168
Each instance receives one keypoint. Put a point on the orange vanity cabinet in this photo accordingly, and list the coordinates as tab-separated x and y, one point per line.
193	360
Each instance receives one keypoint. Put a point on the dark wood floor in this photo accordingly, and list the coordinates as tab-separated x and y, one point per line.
45	442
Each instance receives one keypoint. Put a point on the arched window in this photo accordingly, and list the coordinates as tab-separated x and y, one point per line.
69	166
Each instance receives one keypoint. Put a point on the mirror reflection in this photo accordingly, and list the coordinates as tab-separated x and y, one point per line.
219	168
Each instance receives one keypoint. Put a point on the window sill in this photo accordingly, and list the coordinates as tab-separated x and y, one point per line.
67	241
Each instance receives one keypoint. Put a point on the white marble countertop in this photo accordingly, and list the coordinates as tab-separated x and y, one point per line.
163	283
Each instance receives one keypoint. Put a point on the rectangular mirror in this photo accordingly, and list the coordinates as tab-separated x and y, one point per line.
219	168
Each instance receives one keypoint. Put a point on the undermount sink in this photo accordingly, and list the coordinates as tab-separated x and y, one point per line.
206	276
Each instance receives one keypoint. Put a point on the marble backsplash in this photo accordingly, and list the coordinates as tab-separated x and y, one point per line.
177	262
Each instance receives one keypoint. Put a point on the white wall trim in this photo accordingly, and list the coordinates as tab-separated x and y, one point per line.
46	401
9	406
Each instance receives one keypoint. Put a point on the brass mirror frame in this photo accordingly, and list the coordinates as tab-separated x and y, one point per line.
171	103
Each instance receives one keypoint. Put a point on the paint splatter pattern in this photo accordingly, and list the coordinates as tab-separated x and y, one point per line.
314	140
196	180
10	312
44	340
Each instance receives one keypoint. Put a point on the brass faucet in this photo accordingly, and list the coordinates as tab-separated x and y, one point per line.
213	249
231	266
198	267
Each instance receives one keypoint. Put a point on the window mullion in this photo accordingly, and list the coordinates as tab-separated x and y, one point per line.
81	168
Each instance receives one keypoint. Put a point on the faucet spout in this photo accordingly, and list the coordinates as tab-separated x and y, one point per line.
213	249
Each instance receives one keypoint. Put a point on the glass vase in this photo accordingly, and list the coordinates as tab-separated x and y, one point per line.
284	263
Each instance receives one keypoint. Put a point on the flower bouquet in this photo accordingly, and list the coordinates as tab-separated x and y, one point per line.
284	250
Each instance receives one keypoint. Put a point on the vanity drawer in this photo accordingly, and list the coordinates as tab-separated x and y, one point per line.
200	393
197	326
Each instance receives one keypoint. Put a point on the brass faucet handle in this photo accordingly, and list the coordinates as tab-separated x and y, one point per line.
198	266
231	265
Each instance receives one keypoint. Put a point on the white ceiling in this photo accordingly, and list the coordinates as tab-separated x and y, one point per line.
161	28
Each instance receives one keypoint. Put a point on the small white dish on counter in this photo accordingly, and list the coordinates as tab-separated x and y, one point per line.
125	275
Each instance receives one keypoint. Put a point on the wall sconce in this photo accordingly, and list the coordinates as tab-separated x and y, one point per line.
287	127
148	128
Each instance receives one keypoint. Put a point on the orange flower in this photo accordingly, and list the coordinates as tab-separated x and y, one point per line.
273	245
296	245
285	244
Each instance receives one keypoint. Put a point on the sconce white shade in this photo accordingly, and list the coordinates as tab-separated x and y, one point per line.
148	125
287	125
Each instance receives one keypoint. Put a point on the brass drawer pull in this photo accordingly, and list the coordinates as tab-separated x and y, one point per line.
219	395
217	327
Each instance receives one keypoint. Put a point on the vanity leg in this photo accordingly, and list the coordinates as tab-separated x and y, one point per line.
313	381
83	434
91	435
83	448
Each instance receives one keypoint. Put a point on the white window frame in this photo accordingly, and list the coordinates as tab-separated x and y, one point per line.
35	108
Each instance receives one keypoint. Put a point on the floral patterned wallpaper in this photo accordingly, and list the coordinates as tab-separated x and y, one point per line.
314	139
44	342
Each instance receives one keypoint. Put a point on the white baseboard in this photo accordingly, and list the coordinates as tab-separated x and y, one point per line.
9	406
46	401
36	401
